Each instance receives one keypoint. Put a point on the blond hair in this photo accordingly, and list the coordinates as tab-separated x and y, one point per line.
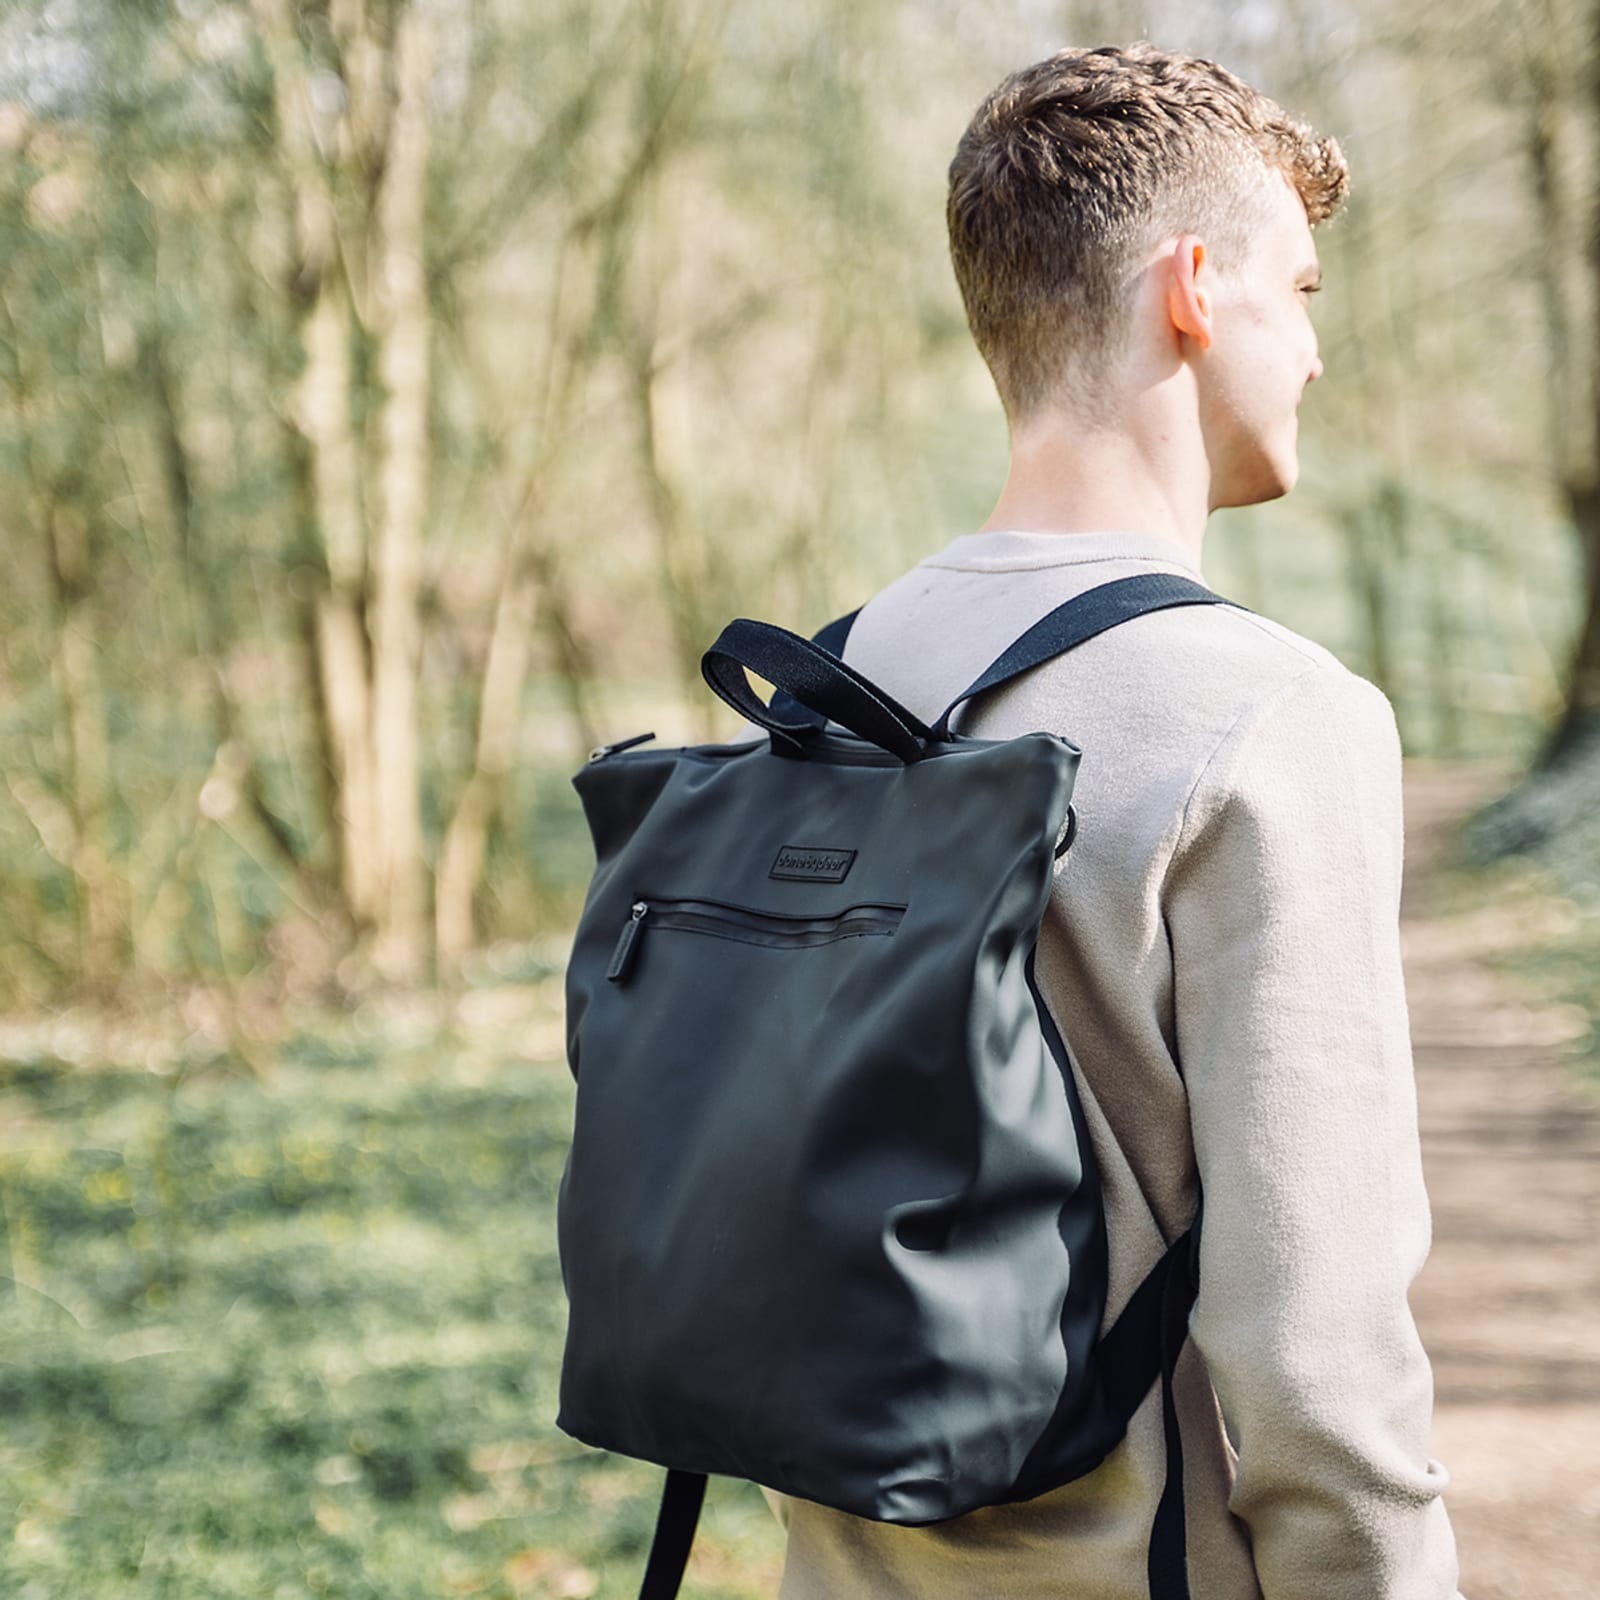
1075	166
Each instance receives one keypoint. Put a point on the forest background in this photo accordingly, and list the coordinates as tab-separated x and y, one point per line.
395	398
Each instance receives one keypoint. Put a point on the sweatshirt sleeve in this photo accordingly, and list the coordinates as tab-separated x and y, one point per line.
1282	907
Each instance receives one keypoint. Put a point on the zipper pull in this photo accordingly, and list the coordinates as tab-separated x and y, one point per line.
602	751
627	944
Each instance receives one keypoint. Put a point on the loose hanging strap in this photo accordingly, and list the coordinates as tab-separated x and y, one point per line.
1168	1564
681	1500
1080	619
1150	1332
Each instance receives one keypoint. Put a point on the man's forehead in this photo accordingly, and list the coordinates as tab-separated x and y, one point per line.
1289	229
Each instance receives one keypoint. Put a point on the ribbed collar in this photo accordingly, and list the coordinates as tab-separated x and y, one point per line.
1010	551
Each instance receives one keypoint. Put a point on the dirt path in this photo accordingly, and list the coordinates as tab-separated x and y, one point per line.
1509	1305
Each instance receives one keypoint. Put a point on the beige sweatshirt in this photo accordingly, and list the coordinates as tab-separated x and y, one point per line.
1221	954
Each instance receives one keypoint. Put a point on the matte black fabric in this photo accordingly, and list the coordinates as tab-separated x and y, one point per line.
830	1220
822	1204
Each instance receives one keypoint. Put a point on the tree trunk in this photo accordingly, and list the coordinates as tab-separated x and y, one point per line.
328	473
401	313
1374	531
207	627
364	630
339	635
685	559
574	658
461	857
1579	725
76	833
1574	400
77	671
1368	558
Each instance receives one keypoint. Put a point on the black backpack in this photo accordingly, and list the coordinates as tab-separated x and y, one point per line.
831	1220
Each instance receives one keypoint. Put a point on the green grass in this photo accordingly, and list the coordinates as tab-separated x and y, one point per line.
298	1334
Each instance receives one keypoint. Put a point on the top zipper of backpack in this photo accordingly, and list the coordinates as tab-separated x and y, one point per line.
827	748
741	923
600	752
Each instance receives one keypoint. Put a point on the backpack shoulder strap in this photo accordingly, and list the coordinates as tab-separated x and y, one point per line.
832	638
1079	619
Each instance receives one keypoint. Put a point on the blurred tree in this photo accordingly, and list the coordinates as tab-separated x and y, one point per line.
596	230
1557	56
395	396
1563	55
352	136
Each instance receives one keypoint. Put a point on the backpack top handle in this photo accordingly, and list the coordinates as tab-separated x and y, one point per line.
816	678
813	678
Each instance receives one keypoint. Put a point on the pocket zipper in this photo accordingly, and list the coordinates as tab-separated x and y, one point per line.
775	929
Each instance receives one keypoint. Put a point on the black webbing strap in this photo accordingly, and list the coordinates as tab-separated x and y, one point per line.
1127	1359
832	639
1169	1547
681	1500
1080	619
1072	623
1145	1342
812	675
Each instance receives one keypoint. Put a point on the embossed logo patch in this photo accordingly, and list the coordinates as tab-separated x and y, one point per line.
812	864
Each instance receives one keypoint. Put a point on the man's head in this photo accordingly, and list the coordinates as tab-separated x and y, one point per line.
1074	170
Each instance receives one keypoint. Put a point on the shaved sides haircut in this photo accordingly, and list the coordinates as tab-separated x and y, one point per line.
1075	167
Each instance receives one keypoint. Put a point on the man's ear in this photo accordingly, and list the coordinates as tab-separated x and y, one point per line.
1188	301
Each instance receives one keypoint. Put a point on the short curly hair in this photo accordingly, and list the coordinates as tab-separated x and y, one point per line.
1075	166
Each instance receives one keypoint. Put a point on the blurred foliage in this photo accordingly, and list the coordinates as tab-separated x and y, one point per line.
281	1313
689	348
298	1333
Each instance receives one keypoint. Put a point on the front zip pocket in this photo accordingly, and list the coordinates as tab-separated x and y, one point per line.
774	929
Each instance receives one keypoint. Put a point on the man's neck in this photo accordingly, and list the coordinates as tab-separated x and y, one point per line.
1069	477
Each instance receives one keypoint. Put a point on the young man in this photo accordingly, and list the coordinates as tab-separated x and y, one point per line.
1131	232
